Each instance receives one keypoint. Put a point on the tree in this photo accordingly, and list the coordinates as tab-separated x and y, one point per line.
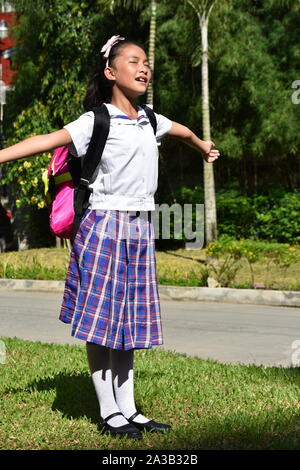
151	55
293	4
203	9
57	49
253	61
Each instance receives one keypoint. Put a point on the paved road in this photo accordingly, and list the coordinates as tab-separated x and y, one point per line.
229	333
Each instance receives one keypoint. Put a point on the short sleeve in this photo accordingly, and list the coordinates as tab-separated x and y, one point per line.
163	126
81	131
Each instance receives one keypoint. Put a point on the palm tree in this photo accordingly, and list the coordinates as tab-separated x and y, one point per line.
203	10
151	53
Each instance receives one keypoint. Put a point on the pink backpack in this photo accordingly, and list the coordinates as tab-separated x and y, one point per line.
67	180
60	181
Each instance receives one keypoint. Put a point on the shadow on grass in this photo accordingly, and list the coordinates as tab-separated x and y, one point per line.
193	429
75	395
209	405
198	260
269	428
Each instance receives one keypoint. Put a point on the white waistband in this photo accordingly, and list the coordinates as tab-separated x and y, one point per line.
122	203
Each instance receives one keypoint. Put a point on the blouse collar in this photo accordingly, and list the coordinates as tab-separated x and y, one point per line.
117	115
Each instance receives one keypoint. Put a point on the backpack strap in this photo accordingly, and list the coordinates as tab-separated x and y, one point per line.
151	117
97	143
91	161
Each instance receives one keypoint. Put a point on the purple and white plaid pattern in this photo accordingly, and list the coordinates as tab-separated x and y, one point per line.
111	293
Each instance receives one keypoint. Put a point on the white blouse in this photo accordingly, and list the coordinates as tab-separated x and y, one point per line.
126	178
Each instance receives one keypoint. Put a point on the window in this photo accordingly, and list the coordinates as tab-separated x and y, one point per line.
6	7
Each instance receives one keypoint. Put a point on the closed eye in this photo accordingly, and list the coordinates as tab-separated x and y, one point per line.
136	62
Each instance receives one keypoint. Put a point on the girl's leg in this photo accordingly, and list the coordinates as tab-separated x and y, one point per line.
122	370
100	367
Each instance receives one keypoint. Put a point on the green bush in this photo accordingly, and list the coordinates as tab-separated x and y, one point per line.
274	216
253	250
282	221
236	214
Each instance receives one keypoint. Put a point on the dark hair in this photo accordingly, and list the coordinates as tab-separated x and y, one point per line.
99	88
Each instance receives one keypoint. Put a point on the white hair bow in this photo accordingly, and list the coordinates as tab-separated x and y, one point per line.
107	47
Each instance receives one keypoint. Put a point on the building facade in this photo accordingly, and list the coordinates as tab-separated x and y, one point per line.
7	48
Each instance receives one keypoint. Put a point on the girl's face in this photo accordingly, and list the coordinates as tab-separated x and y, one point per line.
130	71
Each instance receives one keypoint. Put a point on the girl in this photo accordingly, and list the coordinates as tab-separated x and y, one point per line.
111	294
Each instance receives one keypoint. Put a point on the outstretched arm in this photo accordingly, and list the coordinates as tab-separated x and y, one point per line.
183	133
34	145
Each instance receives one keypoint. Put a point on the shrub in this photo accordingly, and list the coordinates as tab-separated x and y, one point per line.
282	221
274	216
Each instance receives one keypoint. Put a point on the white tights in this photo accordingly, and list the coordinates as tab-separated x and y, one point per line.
112	375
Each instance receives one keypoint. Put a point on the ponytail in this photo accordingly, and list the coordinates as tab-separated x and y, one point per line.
99	88
99	91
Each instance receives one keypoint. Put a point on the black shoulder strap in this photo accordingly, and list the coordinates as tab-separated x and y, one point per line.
151	116
91	161
97	142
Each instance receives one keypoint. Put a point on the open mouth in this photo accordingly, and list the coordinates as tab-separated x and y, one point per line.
141	79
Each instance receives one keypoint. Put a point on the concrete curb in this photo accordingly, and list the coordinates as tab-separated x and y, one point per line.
228	295
203	294
30	285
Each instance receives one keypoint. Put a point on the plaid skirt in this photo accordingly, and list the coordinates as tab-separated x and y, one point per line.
111	293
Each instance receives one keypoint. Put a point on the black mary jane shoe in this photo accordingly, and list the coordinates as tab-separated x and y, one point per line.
151	425
128	430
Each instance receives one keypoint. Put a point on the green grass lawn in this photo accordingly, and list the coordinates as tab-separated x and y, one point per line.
174	267
48	401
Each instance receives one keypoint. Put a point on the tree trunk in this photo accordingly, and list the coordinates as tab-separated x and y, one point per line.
151	54
209	184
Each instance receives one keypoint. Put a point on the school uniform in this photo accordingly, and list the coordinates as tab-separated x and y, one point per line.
111	293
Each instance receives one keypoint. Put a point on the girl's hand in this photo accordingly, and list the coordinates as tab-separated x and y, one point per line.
208	153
